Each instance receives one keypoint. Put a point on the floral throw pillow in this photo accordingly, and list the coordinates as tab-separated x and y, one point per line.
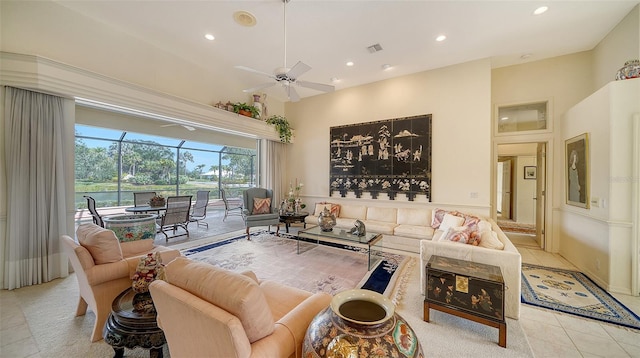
149	268
261	206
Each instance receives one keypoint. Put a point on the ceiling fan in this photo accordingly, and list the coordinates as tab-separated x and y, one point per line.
189	128
287	77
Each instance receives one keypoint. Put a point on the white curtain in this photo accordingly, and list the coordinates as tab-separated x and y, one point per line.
34	127
275	173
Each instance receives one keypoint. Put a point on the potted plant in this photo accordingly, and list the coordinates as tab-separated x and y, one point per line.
282	126
246	109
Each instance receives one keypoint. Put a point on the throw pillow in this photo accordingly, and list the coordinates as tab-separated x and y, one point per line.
261	206
456	234
450	221
149	268
490	241
102	244
333	208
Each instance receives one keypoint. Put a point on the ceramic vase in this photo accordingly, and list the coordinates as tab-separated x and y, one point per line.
631	69
360	323
326	220
132	227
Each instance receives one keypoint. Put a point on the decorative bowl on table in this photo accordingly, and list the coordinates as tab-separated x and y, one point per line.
360	323
132	227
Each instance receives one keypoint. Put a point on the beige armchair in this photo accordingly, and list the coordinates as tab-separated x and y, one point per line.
104	267
206	311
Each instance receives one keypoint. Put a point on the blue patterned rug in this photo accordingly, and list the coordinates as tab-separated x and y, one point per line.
573	292
329	268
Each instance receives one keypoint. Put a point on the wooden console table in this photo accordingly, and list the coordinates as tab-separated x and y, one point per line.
470	290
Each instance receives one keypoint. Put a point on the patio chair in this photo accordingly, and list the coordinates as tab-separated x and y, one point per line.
250	219
141	198
176	215
91	205
230	210
199	212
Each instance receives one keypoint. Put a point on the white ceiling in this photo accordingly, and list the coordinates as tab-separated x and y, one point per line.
327	34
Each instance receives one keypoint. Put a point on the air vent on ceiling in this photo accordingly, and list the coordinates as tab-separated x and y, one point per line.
374	48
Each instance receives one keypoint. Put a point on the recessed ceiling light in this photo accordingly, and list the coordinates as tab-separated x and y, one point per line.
541	10
335	79
386	66
209	37
350	63
526	56
244	18
441	38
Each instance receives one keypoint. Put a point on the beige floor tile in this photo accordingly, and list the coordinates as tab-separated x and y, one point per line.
20	349
12	316
633	350
532	313
623	335
597	345
581	325
14	334
546	332
546	349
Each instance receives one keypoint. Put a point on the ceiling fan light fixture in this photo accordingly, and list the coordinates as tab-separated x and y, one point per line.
244	18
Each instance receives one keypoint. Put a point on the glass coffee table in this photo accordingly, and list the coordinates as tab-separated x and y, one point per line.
341	236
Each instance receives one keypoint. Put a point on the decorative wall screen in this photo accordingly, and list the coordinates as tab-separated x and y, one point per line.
391	156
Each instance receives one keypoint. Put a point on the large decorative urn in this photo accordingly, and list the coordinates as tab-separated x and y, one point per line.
326	220
132	227
360	323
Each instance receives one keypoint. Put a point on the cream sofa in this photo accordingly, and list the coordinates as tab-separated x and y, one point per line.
409	229
206	311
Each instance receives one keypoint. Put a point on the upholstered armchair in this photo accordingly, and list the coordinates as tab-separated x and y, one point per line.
104	268
259	209
206	311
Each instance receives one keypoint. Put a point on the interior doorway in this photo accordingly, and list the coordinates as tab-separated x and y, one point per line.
520	192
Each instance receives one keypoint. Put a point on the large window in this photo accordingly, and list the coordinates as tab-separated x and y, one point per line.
112	164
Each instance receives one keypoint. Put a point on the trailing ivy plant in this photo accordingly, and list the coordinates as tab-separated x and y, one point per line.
282	126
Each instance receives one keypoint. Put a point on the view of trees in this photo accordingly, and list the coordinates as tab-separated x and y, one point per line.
149	165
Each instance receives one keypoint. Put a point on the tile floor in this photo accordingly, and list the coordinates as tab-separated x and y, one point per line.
550	334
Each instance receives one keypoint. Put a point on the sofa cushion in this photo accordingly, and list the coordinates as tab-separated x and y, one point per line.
261	206
450	221
102	244
353	212
414	231
333	208
415	217
388	215
489	239
380	227
235	293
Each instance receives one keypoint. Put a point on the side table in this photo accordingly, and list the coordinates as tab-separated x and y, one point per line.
466	289
132	323
291	218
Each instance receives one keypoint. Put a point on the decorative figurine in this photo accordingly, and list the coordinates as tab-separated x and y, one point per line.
358	229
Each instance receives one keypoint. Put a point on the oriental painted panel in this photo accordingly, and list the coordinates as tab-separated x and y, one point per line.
390	156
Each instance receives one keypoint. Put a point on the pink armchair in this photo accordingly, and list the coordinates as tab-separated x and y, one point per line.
206	311
104	267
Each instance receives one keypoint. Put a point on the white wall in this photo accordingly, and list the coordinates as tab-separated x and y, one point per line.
599	240
525	192
620	45
457	96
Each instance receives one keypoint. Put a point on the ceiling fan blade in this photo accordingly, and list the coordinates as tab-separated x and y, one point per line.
189	128
297	70
249	69
316	86
293	94
259	87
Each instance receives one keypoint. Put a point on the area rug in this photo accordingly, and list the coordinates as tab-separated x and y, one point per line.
520	228
574	293
318	268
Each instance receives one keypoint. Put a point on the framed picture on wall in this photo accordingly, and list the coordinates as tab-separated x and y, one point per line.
577	170
530	172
